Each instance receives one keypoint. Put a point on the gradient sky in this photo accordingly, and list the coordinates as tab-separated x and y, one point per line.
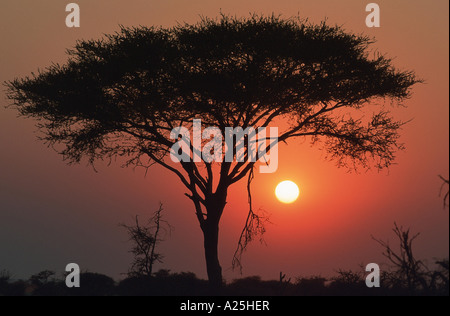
52	214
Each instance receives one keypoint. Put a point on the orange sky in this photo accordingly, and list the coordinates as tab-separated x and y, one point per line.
52	214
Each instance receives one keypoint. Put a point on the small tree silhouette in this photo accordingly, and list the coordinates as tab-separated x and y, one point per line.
5	276
145	239
42	278
121	96
409	273
445	195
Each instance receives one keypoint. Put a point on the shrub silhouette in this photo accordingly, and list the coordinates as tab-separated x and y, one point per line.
312	286
164	283
10	289
45	283
348	282
254	286
137	286
93	284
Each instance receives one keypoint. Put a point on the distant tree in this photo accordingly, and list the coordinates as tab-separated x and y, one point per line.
145	238
9	287
409	270
283	278
445	195
42	278
5	276
45	283
442	275
410	273
348	282
121	96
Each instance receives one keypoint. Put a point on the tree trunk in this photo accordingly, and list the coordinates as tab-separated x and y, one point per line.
214	205
211	242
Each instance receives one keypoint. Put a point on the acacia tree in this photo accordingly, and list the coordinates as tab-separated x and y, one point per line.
122	95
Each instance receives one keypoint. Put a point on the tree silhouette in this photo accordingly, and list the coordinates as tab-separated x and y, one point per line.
408	272
121	96
145	239
408	269
42	278
446	194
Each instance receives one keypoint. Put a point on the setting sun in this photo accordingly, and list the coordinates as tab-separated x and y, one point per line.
287	192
